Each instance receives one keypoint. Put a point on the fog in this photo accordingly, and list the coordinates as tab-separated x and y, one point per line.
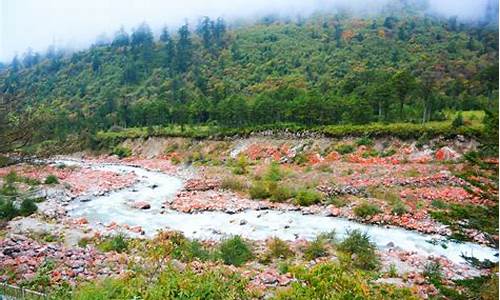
74	24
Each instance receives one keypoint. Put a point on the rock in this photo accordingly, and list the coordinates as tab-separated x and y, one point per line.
141	205
446	153
390	245
243	222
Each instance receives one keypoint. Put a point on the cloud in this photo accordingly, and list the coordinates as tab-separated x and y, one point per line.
76	23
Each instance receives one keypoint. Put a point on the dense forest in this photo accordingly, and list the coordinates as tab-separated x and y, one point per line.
323	69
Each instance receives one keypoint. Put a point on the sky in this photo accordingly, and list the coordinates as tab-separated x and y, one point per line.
75	24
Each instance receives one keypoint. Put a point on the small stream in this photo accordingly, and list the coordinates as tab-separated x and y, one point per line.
156	188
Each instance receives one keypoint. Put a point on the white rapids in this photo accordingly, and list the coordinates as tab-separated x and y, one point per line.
156	188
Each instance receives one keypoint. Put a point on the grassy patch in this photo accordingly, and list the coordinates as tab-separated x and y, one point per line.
116	243
51	179
366	209
316	248
235	251
306	197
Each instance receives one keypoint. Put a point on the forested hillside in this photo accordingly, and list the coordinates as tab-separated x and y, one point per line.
324	69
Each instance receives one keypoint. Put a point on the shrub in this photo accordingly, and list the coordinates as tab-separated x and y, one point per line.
364	141
274	172
122	152
258	190
240	167
434	272
366	209
279	193
315	249
8	211
277	248
358	243
231	183
235	251
187	250
27	207
116	243
345	148
399	208
51	179
337	201
306	197
387	153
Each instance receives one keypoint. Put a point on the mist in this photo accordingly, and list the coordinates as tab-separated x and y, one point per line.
75	24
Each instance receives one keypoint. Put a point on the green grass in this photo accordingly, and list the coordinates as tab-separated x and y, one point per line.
235	251
116	243
51	179
366	209
306	197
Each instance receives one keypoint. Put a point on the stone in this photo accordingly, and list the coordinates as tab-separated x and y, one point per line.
141	205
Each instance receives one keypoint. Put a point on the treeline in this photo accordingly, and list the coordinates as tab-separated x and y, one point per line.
326	69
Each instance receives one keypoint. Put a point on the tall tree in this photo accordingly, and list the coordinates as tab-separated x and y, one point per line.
403	83
121	38
184	49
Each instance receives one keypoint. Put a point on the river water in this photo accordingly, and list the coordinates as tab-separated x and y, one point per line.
156	188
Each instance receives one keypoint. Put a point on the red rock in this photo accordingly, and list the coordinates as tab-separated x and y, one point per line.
446	153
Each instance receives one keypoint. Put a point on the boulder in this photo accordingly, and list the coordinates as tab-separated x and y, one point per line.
141	205
446	153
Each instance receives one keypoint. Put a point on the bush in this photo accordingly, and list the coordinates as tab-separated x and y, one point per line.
27	207
315	249
187	250
235	251
8	210
277	248
366	209
345	148
240	167
358	243
364	141
274	172
231	183
258	190
51	179
434	272
122	152
337	201
279	193
116	243
306	197
399	208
